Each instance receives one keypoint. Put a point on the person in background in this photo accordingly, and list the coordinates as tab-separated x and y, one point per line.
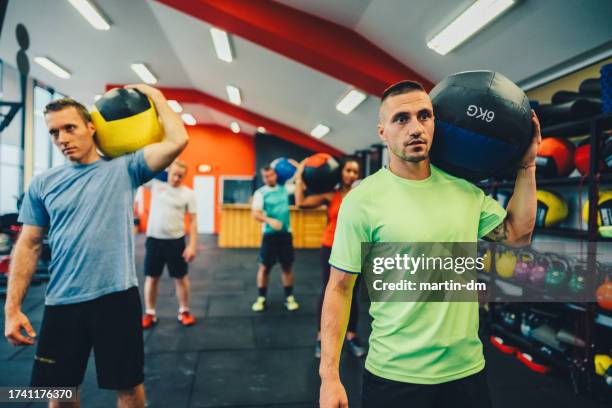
349	174
165	246
271	207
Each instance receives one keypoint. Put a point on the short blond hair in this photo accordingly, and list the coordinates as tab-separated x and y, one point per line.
179	163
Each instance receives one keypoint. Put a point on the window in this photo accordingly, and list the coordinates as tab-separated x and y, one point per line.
46	155
42	142
9	177
57	158
11	169
236	190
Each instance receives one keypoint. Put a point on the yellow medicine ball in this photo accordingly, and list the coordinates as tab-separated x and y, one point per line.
552	209
125	121
604	213
603	203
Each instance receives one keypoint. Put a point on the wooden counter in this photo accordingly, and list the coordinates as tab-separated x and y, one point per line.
240	230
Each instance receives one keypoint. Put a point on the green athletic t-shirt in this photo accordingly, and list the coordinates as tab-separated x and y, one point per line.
417	342
274	202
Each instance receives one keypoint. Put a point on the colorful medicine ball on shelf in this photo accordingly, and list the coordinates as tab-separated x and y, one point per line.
284	169
604	295
604	213
551	209
582	158
321	173
555	157
483	124
125	121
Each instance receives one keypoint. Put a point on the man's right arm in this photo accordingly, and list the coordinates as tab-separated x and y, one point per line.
260	216
334	320
23	265
160	155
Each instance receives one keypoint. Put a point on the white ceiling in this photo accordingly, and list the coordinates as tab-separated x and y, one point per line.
271	85
212	117
531	38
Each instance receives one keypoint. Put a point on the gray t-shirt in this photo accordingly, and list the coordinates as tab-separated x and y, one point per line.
168	208
89	211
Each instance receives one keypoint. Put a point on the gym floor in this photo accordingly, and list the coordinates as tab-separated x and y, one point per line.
234	358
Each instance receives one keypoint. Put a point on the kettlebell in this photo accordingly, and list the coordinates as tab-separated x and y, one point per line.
522	270
530	321
603	367
577	282
485	253
537	272
486	260
558	269
509	318
505	262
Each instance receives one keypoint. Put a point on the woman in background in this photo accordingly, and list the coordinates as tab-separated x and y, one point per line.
333	199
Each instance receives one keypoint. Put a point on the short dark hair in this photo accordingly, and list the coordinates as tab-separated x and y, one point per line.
401	87
267	167
348	159
64	103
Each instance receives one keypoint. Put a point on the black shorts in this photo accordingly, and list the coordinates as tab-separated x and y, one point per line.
277	246
468	392
110	324
162	252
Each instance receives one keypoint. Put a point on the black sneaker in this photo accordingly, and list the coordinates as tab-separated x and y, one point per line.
318	349
355	347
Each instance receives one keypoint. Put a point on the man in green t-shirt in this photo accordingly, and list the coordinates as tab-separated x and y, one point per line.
271	207
422	354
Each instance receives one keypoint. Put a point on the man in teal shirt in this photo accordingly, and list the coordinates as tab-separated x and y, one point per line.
422	354
271	207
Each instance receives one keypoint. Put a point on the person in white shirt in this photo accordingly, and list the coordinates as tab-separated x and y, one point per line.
165	245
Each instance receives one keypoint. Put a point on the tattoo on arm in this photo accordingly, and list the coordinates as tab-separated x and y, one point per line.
499	234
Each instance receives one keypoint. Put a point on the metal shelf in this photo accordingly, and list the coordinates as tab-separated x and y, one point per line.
562	232
582	380
577	127
550	182
532	347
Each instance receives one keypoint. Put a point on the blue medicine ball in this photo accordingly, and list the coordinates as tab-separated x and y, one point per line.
283	168
483	125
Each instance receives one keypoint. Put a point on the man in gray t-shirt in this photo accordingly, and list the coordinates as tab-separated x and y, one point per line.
92	299
165	245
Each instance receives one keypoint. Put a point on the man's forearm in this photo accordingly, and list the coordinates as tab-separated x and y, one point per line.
193	232
523	203
174	129
299	192
260	216
334	320
23	266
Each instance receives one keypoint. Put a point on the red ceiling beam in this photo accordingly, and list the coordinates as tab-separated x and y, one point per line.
292	135
320	44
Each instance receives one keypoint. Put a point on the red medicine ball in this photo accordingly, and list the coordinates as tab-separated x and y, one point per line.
583	156
561	152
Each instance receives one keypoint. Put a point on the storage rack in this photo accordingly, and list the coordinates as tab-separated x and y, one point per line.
580	367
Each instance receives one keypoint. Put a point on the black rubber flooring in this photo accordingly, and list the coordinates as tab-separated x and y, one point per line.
235	358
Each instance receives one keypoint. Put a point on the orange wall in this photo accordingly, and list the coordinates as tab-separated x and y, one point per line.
228	153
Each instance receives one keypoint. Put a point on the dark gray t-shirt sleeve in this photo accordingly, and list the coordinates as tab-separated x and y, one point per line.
33	211
138	169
